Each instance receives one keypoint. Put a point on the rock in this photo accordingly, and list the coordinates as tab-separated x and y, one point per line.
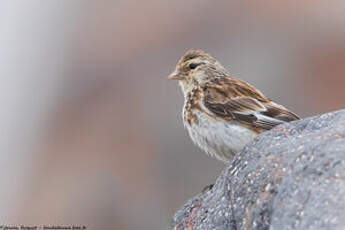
291	177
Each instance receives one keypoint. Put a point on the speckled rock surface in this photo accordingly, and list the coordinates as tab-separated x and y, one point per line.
292	177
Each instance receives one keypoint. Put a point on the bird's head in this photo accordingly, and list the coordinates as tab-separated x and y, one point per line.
196	68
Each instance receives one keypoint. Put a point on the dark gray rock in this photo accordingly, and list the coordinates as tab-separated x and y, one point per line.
292	177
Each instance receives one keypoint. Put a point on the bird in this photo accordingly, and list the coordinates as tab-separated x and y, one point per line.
223	113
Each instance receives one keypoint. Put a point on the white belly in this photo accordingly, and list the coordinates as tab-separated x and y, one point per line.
218	139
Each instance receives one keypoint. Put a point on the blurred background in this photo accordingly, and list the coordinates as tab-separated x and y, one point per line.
91	129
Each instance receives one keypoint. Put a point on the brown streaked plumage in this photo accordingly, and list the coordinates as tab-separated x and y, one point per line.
223	113
236	100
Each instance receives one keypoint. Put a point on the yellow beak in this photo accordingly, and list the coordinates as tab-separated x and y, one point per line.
175	76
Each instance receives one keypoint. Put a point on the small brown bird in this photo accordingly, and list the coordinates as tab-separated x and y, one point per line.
221	113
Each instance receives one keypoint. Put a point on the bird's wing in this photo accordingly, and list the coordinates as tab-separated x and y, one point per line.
236	100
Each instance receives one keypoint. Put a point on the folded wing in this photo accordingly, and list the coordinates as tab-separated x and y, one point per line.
238	101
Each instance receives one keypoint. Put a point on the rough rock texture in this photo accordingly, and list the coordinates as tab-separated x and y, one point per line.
292	177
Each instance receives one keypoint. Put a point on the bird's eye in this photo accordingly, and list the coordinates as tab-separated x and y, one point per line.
193	65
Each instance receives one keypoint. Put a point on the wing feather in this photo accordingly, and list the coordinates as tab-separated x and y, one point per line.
239	101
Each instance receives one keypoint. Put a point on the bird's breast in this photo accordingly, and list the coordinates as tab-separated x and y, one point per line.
191	105
216	137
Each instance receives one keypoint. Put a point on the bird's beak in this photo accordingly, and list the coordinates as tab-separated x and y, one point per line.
175	76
